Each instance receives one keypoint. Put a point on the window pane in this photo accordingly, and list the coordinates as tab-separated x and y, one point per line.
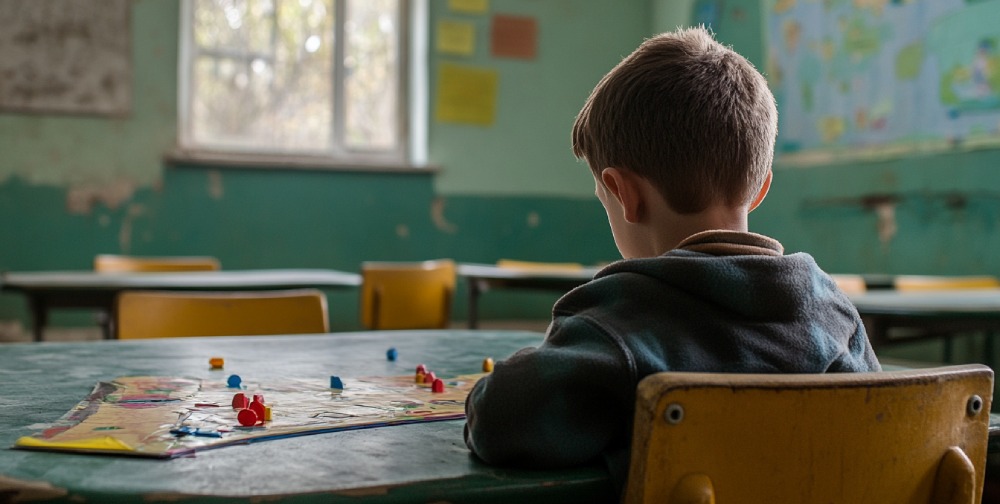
371	61
262	74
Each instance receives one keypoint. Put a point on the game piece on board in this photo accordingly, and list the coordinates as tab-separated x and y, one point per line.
258	408
421	368
258	398
437	386
391	354
336	382
420	377
267	413
240	401
247	417
430	377
216	362
488	365
234	381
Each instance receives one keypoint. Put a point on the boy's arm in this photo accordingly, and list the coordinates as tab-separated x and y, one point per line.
557	405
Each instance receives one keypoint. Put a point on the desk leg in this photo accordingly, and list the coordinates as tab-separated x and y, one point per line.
39	316
473	303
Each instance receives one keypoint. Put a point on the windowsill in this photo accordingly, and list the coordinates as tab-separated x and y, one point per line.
286	162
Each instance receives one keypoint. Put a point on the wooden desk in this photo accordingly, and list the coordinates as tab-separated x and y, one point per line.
483	277
47	290
426	462
940	313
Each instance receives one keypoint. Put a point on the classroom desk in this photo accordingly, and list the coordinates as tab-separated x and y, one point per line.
484	277
938	313
47	290
424	462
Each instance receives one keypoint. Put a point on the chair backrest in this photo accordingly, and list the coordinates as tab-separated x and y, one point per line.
539	266
160	314
914	436
110	263
931	282
407	295
851	284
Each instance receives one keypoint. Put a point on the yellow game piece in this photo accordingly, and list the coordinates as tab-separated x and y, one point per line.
216	362
267	413
419	378
488	365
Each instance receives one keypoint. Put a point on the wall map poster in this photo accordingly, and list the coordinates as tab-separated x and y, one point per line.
66	56
873	79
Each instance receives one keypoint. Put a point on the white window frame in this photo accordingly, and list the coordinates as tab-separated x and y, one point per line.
411	148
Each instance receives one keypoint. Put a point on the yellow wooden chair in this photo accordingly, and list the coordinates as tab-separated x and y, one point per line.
912	283
110	263
914	436
160	314
850	284
539	266
407	295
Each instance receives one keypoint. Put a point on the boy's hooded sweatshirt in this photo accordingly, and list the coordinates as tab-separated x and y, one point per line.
722	301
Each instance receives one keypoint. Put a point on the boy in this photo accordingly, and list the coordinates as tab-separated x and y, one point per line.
679	137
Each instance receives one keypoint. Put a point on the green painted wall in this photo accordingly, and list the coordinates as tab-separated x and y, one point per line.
73	187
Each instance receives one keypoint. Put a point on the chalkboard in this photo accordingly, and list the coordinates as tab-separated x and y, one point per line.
66	56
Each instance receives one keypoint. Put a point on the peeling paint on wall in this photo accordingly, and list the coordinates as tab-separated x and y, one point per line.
533	219
125	233
886	213
80	200
215	190
438	218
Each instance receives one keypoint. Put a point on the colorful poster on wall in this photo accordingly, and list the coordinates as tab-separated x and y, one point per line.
466	94
880	78
456	37
514	36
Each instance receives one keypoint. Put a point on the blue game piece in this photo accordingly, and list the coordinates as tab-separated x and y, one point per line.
391	354
336	383
234	381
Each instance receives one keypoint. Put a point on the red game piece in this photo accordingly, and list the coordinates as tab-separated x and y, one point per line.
258	398
430	377
258	408
421	368
437	386
240	401
247	417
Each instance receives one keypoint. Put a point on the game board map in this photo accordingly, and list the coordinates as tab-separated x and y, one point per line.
165	417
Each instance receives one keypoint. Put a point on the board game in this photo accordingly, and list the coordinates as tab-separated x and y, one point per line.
164	417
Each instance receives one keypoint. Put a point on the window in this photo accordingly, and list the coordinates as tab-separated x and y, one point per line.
313	79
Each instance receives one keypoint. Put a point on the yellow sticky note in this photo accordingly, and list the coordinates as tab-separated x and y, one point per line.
456	37
469	6
466	94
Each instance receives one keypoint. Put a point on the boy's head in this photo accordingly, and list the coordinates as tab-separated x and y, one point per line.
686	113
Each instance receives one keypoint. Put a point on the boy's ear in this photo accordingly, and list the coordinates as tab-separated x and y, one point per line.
622	184
763	192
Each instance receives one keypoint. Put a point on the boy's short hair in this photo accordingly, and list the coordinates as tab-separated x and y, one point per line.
687	113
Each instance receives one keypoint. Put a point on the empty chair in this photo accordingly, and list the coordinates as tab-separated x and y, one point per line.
109	263
914	436
850	284
932	282
407	295
160	314
539	266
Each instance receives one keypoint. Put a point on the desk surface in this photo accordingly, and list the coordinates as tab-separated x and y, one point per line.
968	303
418	462
194	280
